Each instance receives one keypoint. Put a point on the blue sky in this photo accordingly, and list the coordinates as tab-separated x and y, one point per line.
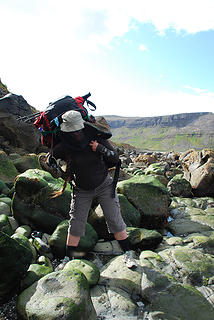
137	58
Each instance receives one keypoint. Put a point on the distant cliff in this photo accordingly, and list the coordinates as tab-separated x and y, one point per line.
178	132
175	120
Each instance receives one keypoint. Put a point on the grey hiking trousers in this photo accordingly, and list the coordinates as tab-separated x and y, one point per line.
81	204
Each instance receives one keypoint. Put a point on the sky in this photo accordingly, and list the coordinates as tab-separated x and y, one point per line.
137	58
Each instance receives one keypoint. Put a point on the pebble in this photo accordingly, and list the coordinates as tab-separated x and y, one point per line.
8	309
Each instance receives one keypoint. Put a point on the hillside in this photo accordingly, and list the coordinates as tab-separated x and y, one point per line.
177	132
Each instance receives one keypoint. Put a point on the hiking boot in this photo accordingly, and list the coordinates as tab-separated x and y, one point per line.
62	264
128	259
50	166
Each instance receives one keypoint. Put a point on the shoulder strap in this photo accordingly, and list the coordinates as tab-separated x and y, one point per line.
116	177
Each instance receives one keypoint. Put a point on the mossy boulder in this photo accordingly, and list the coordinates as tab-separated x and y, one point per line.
162	179
203	242
25	162
4	188
24	241
15	259
185	226
193	266
204	219
34	216
178	186
25	230
4	208
32	203
5	225
170	300
156	168
149	197
58	295
88	268
5	199
130	214
196	266
8	171
34	273
116	274
144	238
57	240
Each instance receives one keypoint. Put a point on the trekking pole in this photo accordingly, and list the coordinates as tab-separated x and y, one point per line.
29	117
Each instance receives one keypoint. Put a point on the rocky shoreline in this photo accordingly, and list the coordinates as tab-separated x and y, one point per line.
167	202
171	231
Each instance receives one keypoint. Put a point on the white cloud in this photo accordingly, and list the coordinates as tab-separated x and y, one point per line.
93	23
47	49
199	91
147	104
53	26
142	47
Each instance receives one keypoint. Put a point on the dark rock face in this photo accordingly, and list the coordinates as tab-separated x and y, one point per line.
15	104
15	133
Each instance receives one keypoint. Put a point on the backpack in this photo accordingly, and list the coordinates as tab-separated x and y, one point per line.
48	121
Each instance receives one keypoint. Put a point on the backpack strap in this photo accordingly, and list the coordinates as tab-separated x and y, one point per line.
85	99
116	177
89	103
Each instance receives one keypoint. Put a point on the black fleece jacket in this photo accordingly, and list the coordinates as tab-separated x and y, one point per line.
89	168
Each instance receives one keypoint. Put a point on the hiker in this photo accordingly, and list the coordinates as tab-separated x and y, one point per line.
87	155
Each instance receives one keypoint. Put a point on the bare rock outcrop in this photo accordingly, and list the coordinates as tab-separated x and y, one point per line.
17	135
199	171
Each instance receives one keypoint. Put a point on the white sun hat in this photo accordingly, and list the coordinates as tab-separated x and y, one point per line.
72	121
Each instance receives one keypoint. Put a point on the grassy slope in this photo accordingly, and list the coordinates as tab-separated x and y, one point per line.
198	135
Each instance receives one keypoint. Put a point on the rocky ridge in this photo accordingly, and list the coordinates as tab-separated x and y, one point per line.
175	120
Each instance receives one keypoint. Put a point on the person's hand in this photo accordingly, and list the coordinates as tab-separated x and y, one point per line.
93	145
